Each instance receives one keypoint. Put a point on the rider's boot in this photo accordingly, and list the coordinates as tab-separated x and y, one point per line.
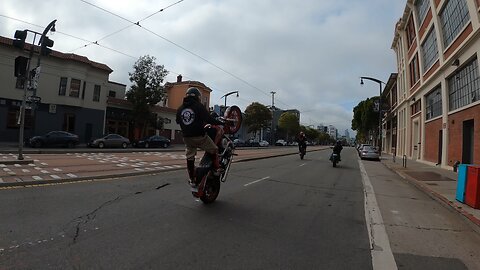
216	165
191	171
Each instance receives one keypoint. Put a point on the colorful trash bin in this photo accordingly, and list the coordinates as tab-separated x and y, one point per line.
472	192
461	182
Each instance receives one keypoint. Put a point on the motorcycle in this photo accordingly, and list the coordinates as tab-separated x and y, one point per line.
206	177
303	151
334	159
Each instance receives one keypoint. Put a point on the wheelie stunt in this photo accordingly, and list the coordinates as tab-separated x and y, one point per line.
302	144
201	130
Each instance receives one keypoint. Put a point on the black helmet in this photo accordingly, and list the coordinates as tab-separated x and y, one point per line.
193	92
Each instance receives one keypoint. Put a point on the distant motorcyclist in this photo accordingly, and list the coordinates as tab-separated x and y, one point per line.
337	149
302	141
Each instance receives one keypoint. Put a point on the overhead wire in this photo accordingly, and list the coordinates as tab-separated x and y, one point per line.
156	34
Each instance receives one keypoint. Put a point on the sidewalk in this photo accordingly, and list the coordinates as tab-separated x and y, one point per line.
438	183
88	166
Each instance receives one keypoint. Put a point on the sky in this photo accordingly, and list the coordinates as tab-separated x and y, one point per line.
312	53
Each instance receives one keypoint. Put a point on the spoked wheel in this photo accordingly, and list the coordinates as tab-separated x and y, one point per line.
212	188
233	114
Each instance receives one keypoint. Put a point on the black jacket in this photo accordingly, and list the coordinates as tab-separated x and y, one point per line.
337	148
192	116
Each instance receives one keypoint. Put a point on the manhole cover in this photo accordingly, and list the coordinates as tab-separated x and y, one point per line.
428	176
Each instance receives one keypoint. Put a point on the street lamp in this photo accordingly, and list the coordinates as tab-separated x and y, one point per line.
379	143
44	43
228	94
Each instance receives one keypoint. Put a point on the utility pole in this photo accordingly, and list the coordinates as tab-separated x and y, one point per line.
31	83
272	131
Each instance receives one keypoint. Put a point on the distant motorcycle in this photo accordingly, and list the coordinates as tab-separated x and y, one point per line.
209	182
334	158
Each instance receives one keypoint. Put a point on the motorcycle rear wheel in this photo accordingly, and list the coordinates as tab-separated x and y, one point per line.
212	189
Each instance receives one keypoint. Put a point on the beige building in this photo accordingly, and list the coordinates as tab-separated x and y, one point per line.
72	88
437	107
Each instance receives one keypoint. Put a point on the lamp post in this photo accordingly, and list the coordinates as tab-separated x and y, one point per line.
44	43
226	95
379	143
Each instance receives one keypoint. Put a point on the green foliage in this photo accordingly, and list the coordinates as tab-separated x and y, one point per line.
365	119
146	90
257	116
289	122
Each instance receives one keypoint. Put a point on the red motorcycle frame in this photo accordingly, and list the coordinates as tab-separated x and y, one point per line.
209	182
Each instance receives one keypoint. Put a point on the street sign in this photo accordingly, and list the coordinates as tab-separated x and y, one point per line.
34	99
35	77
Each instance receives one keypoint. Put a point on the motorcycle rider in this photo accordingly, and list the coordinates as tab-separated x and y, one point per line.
192	116
302	141
337	149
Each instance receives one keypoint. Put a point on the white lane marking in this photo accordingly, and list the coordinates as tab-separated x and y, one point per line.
256	181
71	175
44	164
57	169
382	256
44	171
37	178
54	176
302	165
17	165
25	170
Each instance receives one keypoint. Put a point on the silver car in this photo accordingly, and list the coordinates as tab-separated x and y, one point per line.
369	152
110	140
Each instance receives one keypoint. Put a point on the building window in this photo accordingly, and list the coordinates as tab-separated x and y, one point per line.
83	90
416	107
463	86
433	106
410	32
422	9
112	93
62	89
96	93
453	18
74	88
429	50
414	71
20	83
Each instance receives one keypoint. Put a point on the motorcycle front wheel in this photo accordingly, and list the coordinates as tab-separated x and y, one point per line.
212	189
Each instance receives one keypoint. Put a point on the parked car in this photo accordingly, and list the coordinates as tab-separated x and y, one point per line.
238	142
55	138
110	140
263	143
369	152
252	143
280	143
153	141
360	147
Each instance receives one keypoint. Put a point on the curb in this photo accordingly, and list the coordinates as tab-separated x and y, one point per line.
121	175
436	196
15	161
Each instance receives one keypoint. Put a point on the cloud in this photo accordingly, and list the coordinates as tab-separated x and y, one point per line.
311	53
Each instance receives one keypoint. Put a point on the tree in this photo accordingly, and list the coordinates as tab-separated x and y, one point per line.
289	122
365	119
311	133
146	90
257	117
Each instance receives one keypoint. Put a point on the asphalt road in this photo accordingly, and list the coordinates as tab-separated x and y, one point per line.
279	213
275	213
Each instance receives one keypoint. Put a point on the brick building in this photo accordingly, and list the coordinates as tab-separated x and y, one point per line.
437	110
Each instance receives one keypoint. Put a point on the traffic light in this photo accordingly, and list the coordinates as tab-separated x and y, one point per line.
20	37
21	66
45	46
